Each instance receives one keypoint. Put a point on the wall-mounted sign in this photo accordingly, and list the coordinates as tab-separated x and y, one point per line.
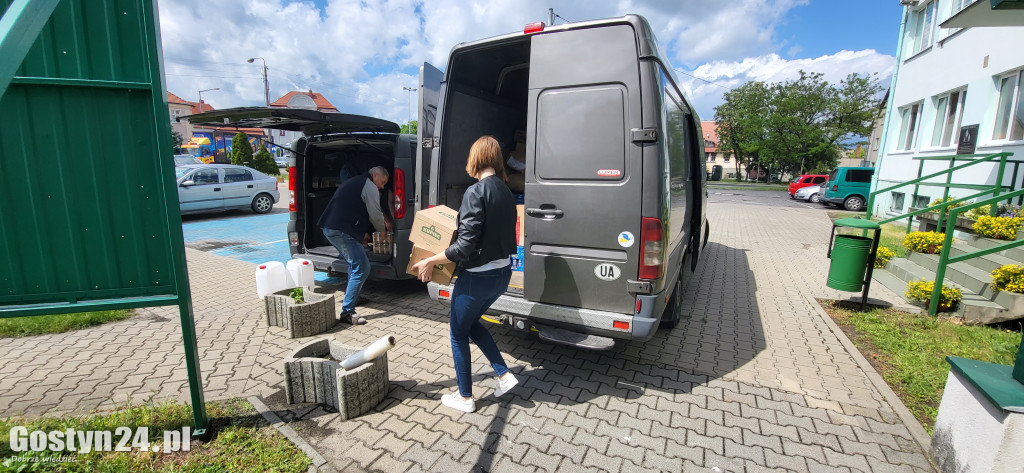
968	140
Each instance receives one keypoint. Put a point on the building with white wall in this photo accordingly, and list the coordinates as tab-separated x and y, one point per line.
948	80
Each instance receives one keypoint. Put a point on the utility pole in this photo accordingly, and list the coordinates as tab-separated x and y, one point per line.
551	16
201	97
409	123
266	84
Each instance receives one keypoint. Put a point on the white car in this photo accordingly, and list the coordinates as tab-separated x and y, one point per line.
809	194
212	187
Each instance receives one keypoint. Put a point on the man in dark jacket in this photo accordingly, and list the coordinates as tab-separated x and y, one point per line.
354	211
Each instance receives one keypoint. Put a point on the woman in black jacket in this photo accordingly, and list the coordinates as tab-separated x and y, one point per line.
484	243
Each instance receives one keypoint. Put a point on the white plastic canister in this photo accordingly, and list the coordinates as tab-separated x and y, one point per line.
301	272
270	278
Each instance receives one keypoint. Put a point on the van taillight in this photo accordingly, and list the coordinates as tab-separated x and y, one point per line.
652	249
534	27
291	190
399	194
835	188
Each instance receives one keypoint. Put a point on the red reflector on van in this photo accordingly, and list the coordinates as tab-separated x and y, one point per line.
620	325
534	27
444	293
399	194
638	305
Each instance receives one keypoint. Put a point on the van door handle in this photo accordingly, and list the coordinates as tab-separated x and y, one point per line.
216	189
544	213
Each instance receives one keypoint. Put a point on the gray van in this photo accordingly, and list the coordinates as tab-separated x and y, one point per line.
333	143
615	188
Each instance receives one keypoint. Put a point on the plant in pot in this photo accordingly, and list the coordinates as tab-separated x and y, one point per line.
883	256
922	291
1000	228
1009	277
303	313
924	242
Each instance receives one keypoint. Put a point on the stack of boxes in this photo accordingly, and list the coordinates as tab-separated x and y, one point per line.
432	232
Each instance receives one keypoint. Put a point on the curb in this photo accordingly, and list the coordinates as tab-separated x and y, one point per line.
915	428
319	462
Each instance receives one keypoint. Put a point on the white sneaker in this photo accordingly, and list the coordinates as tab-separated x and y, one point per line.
505	383
456	401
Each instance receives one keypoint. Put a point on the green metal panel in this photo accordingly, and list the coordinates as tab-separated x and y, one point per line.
83	173
996	382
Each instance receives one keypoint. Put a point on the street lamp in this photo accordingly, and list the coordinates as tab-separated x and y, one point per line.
201	97
410	90
266	85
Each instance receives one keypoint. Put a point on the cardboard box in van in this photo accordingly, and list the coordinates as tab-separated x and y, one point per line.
433	228
442	272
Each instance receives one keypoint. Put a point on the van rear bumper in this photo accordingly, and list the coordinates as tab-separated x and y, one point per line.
378	271
642	325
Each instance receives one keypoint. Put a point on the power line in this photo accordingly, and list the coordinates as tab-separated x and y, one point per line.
218	77
563	18
701	78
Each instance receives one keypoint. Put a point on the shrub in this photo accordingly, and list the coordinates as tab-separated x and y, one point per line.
947	199
1009	277
924	242
978	212
1007	210
241	150
922	291
883	256
1002	228
265	163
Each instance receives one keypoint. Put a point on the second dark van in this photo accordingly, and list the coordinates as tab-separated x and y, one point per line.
334	146
613	181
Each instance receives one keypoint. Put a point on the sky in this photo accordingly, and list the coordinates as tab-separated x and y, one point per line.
360	54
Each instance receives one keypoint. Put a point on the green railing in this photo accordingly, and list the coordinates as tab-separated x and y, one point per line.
948	221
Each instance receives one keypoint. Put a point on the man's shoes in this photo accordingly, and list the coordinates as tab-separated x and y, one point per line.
350	317
456	401
505	383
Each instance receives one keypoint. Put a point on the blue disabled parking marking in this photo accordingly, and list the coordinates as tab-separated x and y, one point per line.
256	239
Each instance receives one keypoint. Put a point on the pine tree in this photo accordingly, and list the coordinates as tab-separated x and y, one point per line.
241	150
265	162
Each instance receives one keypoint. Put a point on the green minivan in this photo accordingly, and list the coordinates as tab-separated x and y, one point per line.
847	186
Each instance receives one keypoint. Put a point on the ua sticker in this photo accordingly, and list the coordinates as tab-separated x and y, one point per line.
626	239
607	272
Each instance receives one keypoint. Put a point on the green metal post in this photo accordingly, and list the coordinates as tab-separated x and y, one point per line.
994	209
917	188
940	270
945	196
19	28
1018	366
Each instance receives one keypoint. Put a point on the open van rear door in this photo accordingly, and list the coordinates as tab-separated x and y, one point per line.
427	132
584	169
309	122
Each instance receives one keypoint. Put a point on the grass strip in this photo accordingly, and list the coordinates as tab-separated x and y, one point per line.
909	350
892	233
58	323
242	441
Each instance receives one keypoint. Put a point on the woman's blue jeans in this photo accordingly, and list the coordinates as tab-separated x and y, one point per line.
358	265
473	294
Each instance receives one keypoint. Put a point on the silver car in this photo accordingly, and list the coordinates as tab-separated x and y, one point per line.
211	187
809	194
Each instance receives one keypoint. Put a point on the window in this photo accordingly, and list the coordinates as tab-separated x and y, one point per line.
711	157
725	158
923	22
1010	108
960	5
859	175
897	201
908	126
921	201
236	175
597	142
205	176
818	180
878	141
948	111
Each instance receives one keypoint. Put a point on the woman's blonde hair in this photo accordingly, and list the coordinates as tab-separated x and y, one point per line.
486	153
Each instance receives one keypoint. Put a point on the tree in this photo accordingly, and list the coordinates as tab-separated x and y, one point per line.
241	150
409	127
176	140
799	124
265	162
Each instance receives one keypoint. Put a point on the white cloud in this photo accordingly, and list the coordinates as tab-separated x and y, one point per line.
360	54
773	68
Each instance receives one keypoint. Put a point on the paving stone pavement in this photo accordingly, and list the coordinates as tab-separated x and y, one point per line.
752	380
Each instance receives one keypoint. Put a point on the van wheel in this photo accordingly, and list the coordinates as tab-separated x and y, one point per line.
673	312
262	204
854	203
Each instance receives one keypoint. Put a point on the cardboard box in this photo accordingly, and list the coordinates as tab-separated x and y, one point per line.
520	237
433	228
443	273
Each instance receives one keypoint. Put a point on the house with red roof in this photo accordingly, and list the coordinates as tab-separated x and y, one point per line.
308	100
714	157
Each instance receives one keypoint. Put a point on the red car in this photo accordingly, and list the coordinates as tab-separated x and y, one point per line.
806	180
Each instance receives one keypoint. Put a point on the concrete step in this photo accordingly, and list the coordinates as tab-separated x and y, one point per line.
962	273
987	263
1016	254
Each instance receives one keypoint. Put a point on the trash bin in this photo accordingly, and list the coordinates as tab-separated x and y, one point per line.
849	262
852	257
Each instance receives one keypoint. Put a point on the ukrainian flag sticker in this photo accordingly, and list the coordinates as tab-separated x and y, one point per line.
626	239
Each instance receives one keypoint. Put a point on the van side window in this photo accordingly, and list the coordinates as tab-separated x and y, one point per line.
581	133
859	175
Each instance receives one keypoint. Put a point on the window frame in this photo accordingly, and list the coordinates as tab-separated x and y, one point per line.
945	133
923	30
1015	107
909	128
